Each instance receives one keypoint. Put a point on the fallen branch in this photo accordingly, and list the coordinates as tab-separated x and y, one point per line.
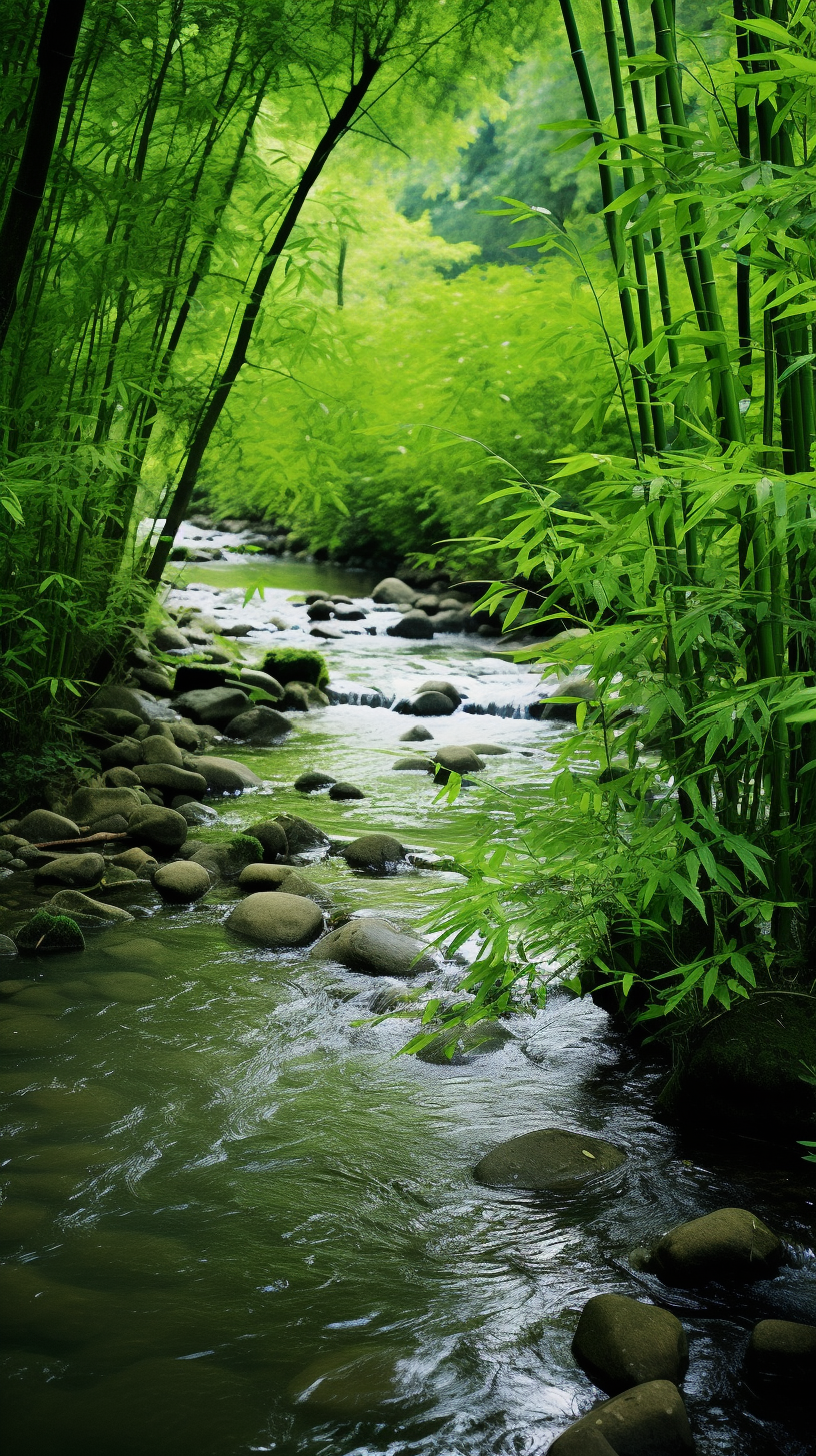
89	839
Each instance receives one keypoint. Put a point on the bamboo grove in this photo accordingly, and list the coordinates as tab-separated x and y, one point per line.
170	236
670	862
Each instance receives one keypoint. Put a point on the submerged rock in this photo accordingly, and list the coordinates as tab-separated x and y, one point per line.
194	813
313	780
487	750
457	1046
414	765
417	734
649	1420
277	919
622	1342
455	759
343	790
375	947
82	908
75	871
551	1160
48	934
378	853
729	1244
181	882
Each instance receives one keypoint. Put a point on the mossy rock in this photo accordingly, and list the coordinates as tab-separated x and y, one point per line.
44	934
748	1067
291	664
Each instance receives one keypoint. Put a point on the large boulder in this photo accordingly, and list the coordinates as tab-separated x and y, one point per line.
43	827
440	685
90	804
393	592
729	1244
182	881
272	838
49	934
156	748
374	853
272	877
223	775
74	871
649	1420
301	836
226	861
550	1160
84	910
121	778
413	624
621	1342
217	706
261	726
781	1359
276	919
371	945
455	759
160	828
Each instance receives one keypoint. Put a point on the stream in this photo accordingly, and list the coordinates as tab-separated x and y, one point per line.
234	1221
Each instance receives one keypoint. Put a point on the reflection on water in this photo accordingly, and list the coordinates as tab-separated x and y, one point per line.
234	1221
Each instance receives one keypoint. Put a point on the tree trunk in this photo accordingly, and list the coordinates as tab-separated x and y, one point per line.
60	33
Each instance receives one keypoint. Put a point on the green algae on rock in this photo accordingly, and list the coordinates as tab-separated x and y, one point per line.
44	934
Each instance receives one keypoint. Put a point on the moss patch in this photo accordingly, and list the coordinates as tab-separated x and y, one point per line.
749	1063
290	664
45	933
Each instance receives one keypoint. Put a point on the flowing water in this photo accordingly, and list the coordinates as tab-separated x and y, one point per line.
235	1221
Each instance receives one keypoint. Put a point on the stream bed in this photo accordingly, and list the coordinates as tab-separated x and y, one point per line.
234	1221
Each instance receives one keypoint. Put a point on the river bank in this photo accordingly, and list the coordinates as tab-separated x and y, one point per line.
253	1228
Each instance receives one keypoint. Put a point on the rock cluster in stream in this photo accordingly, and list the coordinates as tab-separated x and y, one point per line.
637	1352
